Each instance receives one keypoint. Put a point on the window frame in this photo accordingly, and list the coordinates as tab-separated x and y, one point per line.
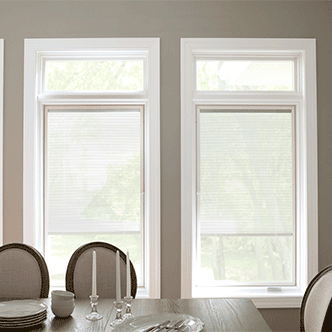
36	52
303	99
1	136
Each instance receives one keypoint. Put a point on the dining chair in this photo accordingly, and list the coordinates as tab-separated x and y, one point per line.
79	271
23	272
316	306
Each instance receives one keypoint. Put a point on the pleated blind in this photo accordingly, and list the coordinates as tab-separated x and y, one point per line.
245	164
93	170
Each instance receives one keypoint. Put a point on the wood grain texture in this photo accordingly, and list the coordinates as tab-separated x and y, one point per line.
222	315
217	314
77	321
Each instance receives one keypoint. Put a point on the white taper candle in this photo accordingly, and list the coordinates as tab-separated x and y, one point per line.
128	276
94	273
118	280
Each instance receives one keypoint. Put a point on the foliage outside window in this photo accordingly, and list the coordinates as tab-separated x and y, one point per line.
85	75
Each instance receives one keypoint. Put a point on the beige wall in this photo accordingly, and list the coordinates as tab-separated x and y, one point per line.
170	21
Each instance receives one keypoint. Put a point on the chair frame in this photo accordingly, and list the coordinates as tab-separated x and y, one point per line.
79	251
45	277
307	292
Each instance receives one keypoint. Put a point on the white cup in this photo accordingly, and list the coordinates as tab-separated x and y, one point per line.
65	303
61	311
60	295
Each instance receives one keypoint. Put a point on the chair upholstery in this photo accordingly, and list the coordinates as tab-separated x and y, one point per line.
79	271
316	309
23	272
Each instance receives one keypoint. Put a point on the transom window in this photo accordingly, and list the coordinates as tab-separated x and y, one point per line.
94	75
246	75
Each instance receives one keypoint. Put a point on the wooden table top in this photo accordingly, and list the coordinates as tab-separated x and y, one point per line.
217	314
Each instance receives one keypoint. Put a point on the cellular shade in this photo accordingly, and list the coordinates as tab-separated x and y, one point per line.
245	172
93	171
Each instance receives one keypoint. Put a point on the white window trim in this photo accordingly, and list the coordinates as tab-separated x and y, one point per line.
304	101
1	136
34	101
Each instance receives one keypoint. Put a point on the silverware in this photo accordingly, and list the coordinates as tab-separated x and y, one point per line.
166	326
183	328
178	324
158	327
173	327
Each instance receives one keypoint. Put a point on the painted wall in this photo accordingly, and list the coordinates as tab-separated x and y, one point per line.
170	21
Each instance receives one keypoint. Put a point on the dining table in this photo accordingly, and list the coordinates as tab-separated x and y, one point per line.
217	314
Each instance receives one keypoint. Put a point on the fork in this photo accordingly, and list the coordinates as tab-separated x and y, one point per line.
172	327
158	327
177	325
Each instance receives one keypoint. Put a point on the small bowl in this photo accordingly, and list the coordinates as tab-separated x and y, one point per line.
60	295
65	303
62	311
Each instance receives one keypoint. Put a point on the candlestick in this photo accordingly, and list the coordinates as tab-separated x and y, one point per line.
94	274
118	280
94	314
128	314
118	315
128	276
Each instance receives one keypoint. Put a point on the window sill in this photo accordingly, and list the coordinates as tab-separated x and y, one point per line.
286	298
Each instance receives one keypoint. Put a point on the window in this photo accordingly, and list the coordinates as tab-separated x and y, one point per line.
1	135
91	151
249	169
245	75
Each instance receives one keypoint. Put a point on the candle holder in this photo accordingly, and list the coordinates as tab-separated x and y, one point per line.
118	316
94	314
128	314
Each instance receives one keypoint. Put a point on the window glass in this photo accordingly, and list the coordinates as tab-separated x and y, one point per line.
94	75
246	75
93	182
245	211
